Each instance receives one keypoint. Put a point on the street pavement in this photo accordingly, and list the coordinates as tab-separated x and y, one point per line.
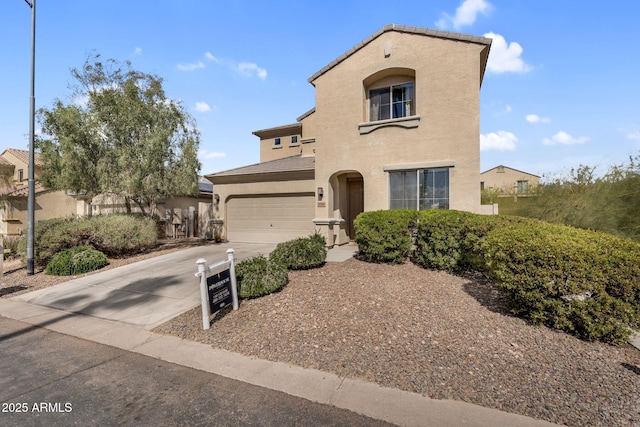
119	308
57	380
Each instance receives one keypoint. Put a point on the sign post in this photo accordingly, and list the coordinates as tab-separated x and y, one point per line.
218	286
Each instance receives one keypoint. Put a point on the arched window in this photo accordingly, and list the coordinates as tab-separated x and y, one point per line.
390	94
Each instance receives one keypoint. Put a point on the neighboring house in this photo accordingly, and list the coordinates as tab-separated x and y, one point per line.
508	181
395	125
184	216
14	192
180	216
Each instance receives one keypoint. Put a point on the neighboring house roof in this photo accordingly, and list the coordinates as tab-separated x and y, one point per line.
21	191
411	30
292	128
507	167
23	155
5	162
205	186
287	164
307	114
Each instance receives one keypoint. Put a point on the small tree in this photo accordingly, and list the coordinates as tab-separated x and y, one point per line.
122	136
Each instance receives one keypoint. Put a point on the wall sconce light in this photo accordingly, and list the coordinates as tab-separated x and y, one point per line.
320	193
216	197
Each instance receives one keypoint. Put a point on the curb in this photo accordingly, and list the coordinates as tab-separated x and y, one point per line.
395	406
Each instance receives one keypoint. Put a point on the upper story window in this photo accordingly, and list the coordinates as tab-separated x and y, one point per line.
277	143
391	102
20	175
294	140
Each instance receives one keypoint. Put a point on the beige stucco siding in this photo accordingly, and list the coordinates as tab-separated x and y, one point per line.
505	179
48	204
447	104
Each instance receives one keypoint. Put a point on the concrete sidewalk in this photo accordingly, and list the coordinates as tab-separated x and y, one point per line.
119	307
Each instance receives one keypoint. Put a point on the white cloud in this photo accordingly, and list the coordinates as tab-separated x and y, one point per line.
202	107
210	57
634	135
563	138
466	14
508	109
501	141
191	67
249	69
205	154
137	51
534	118
505	57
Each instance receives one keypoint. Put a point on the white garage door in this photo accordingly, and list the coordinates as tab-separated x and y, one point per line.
270	219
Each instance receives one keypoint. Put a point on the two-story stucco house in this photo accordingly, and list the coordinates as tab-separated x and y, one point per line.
506	180
396	125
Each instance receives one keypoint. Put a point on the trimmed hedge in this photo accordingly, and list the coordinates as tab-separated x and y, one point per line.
300	254
385	236
115	235
582	282
451	240
77	260
258	276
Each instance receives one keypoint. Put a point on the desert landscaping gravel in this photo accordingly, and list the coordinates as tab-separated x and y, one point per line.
432	333
423	331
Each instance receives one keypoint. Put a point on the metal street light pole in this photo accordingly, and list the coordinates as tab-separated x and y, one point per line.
31	201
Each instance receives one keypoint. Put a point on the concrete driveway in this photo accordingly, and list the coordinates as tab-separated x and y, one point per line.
144	294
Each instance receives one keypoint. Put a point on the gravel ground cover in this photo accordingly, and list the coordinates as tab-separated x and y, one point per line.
423	331
432	333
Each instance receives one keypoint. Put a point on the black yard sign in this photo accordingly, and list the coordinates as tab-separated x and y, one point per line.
219	286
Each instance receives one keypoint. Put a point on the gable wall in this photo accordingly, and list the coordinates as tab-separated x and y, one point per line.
447	101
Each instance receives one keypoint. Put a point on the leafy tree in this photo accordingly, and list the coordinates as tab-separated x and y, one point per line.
120	136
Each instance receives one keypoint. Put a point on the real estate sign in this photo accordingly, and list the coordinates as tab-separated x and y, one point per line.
217	286
219	289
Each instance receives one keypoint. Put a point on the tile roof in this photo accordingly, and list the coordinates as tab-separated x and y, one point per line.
23	155
402	29
5	162
21	190
295	163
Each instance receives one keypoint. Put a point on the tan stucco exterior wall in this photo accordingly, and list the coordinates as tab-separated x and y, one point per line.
505	179
447	86
48	204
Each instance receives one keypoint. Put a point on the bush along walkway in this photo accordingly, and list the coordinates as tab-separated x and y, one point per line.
582	282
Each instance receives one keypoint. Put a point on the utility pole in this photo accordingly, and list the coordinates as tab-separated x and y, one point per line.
31	201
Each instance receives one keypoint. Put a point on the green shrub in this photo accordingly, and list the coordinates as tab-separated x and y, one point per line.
11	245
114	235
300	254
119	234
77	260
258	276
451	240
583	282
385	236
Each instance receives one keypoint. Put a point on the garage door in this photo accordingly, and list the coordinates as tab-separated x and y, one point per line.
270	219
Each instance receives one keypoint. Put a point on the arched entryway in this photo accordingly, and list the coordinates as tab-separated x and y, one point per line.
348	201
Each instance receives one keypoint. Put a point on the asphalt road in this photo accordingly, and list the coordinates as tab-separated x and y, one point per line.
48	378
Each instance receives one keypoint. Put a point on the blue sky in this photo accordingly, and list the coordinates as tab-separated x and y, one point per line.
561	88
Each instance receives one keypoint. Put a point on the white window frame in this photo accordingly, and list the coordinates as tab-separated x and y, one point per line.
422	203
409	107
